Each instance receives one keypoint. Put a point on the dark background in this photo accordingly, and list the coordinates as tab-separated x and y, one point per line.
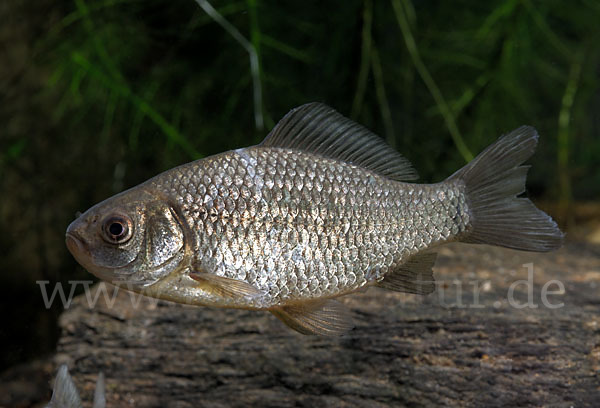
98	96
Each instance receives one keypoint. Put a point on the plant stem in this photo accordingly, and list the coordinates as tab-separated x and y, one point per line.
399	9
365	59
250	48
386	113
563	138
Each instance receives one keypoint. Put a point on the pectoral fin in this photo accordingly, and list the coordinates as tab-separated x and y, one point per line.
225	287
321	317
413	276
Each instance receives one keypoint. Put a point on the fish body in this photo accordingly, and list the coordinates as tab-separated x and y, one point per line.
322	208
298	226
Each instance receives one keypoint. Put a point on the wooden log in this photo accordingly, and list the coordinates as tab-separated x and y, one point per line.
459	346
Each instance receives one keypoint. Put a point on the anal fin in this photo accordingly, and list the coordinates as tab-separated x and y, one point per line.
413	276
320	317
225	287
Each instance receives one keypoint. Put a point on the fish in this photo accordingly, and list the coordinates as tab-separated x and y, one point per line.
321	208
65	395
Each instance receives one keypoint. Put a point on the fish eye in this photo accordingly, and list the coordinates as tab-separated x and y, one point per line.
117	229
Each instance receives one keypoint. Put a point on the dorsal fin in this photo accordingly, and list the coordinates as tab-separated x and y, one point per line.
317	128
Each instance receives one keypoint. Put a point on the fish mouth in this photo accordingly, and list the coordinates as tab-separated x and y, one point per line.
75	244
80	251
78	248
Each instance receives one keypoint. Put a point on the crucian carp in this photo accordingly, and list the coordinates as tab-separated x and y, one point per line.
320	209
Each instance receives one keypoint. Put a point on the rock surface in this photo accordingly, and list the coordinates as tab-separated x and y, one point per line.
468	344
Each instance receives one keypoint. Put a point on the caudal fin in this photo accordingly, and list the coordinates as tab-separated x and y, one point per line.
493	180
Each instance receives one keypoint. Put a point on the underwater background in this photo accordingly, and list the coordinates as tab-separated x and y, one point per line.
98	96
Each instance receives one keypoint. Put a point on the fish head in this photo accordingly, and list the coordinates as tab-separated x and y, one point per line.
133	239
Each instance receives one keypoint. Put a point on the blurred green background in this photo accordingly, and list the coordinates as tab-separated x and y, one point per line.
97	96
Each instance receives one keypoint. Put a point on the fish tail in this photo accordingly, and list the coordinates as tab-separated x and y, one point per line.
493	180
